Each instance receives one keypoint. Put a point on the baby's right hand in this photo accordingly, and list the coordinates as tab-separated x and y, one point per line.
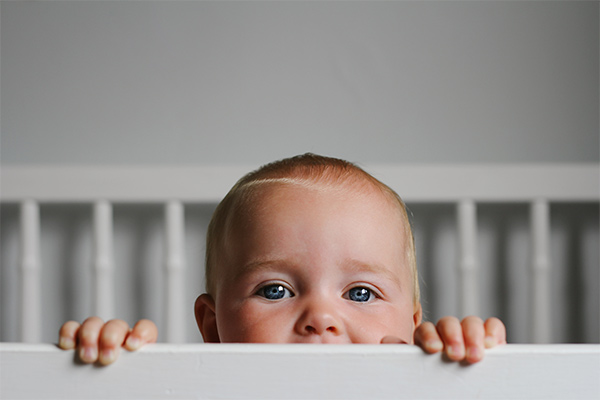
99	341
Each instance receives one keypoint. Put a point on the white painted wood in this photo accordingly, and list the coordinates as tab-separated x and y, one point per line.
103	297
467	262
30	300
208	184
540	315
301	371
176	312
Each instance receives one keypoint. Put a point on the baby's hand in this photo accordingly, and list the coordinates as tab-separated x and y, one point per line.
99	341
460	341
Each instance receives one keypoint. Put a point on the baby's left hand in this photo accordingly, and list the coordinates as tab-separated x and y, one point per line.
460	341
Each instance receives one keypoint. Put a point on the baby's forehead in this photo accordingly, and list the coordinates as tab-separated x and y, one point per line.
260	202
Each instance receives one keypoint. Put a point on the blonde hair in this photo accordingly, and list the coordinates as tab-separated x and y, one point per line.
305	169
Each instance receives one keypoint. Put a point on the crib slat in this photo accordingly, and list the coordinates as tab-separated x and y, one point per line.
175	307
467	258
103	298
540	276
31	315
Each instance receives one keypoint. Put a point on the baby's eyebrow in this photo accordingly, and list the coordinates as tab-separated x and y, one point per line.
357	266
262	265
350	266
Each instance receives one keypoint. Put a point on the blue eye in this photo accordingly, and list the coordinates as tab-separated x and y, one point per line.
274	292
360	294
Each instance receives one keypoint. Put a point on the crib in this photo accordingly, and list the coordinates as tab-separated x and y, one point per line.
227	371
179	192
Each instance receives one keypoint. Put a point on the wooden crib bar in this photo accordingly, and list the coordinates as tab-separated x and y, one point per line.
467	257
301	371
175	307
103	261
539	310
30	273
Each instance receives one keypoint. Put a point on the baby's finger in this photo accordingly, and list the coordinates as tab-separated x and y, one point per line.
144	331
88	335
473	333
67	335
427	337
451	334
112	337
495	332
393	340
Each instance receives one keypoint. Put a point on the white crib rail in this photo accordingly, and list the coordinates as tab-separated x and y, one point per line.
103	260
208	184
467	259
176	310
540	268
302	371
464	185
30	272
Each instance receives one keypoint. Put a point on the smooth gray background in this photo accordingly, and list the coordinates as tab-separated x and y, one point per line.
191	82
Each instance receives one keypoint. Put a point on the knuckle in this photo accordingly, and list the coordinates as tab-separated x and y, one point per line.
68	328
472	319
92	320
448	321
87	336
494	323
430	333
117	324
108	338
113	332
145	329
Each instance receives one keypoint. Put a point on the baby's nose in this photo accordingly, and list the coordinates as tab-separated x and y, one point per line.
318	319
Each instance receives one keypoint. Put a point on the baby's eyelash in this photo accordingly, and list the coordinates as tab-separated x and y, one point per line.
362	293
369	286
274	291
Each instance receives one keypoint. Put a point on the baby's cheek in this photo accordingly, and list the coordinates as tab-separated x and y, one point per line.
370	336
386	323
231	322
256	323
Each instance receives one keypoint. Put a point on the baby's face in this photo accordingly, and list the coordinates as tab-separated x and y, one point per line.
308	265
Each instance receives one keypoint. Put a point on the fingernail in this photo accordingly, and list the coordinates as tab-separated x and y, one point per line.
473	353
489	341
88	354
66	343
456	351
108	356
435	345
133	343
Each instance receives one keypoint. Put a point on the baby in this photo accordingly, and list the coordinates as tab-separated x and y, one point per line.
308	249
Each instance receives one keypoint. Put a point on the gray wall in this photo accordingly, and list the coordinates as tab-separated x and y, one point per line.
211	82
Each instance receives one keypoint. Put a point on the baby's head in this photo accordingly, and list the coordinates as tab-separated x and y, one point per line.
309	249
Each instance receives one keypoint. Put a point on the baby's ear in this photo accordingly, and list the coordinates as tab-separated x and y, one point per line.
207	318
418	315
